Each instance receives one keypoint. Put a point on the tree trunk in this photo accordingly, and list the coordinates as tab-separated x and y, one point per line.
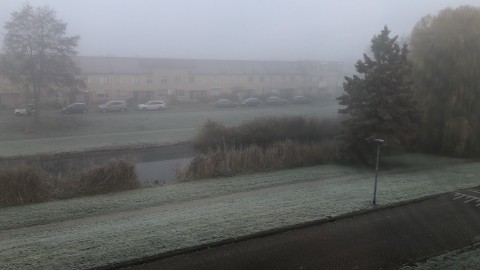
36	102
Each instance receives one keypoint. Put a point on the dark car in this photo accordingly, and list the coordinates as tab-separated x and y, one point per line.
75	108
251	102
113	106
276	101
225	103
300	100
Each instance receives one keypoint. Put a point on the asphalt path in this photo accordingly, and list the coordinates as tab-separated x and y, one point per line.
381	239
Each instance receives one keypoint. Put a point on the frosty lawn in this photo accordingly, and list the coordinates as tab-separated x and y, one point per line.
182	215
462	259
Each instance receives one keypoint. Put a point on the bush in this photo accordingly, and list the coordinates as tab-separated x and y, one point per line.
280	155
266	131
24	185
28	184
116	175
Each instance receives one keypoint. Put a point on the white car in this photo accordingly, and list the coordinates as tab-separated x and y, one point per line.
25	110
152	105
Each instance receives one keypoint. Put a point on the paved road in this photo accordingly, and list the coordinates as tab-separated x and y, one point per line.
385	239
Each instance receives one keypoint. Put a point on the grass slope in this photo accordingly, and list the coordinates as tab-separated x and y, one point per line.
249	204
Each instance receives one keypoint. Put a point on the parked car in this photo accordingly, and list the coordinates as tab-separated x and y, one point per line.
300	100
152	105
225	103
275	101
113	106
75	108
25	110
251	102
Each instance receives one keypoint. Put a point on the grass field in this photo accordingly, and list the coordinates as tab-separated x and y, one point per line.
64	133
98	230
463	259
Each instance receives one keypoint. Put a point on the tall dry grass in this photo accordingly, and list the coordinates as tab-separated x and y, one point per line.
266	131
23	185
254	158
28	184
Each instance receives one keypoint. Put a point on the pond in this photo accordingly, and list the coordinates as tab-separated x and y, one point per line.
153	165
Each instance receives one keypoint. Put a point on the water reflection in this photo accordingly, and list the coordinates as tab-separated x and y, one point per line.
155	165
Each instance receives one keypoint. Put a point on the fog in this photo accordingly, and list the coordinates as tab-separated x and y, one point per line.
328	30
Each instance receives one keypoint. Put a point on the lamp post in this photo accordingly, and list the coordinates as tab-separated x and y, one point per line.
379	143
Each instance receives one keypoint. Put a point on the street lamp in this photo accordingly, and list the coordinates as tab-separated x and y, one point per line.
379	143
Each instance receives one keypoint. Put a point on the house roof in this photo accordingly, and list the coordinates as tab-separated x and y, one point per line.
133	65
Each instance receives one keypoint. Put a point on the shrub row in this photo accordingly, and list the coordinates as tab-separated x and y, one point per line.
27	184
265	131
280	155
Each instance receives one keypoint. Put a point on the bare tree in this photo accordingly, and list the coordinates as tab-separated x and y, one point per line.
446	74
38	54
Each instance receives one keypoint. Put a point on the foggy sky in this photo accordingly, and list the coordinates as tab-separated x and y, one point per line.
328	30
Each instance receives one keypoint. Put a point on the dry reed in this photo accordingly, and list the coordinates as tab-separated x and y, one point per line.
253	158
27	184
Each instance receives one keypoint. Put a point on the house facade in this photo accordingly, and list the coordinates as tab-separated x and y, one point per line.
142	79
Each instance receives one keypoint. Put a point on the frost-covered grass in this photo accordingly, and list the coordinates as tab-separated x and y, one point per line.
169	217
95	130
94	141
462	259
412	160
43	213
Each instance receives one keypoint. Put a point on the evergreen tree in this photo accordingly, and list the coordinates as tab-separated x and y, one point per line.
378	102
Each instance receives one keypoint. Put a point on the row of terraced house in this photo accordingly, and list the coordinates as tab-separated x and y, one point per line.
141	79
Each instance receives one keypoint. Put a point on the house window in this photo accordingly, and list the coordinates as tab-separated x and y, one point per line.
162	92
104	80
250	78
122	93
179	93
102	94
149	80
135	80
216	91
119	80
164	80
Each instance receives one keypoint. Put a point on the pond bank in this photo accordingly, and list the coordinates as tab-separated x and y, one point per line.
153	164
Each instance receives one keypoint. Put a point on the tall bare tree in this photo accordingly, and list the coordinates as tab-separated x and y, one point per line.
446	72
38	53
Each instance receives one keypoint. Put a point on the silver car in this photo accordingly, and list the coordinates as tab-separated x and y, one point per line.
152	105
274	100
113	106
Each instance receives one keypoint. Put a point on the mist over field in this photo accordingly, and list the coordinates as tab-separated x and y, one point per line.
324	30
135	131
